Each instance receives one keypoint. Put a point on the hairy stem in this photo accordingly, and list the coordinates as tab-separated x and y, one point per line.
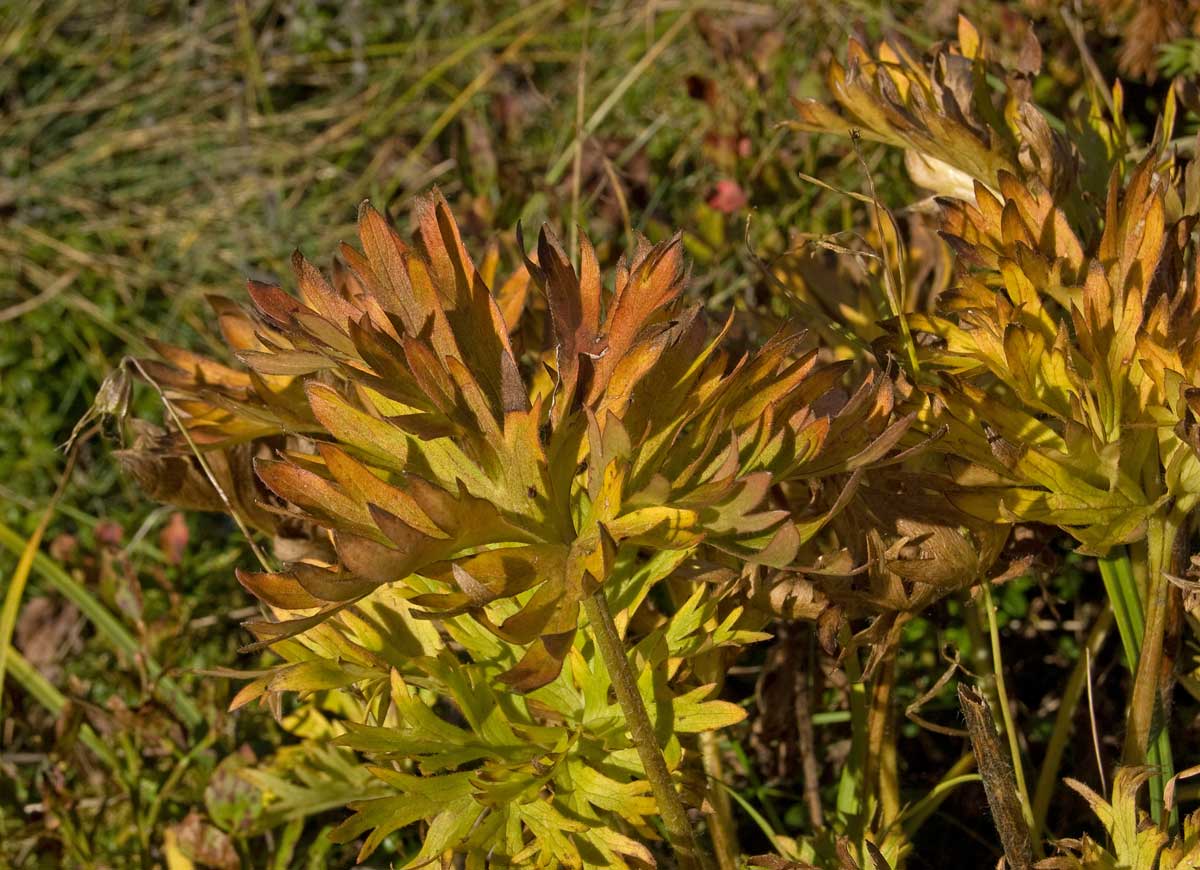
884	776
1010	727
720	820
670	807
1009	810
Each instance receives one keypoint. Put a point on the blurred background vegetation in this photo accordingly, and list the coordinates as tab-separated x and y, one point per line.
156	151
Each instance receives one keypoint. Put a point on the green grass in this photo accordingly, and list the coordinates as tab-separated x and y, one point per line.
152	156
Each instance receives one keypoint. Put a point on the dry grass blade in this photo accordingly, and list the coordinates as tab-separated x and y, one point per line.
20	309
1085	55
460	102
1092	722
610	102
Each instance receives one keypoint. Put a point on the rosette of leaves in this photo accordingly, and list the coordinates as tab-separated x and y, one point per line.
430	451
1064	373
1061	364
957	128
413	420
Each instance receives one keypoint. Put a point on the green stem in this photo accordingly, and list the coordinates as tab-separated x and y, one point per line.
853	792
1145	699
1010	728
1117	571
670	807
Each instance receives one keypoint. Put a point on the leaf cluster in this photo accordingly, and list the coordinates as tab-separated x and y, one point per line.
455	465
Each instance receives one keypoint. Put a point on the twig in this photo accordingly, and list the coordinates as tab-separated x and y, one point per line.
998	781
1010	726
208	472
932	692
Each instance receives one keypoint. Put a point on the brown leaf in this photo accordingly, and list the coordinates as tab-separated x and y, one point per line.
46	632
205	844
829	624
541	663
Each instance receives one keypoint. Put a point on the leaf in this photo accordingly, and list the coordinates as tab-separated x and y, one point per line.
542	661
444	797
692	715
631	800
307	779
376	438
